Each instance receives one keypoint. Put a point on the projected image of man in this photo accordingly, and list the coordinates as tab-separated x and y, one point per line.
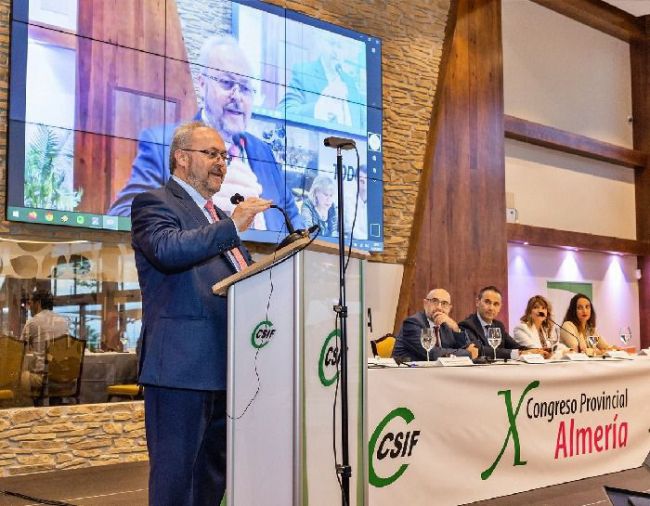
226	93
324	88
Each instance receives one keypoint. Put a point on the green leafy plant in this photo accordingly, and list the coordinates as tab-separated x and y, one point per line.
46	165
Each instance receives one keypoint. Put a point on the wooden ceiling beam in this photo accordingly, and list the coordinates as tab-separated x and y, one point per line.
575	144
599	15
553	238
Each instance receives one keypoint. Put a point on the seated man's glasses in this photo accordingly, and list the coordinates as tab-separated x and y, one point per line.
227	84
438	302
212	154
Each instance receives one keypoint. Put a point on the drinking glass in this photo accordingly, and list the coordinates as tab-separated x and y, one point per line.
427	338
625	333
593	341
494	339
553	339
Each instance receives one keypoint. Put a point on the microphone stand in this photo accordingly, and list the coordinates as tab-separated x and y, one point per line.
344	469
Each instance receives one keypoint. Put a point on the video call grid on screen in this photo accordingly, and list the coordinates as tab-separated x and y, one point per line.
93	92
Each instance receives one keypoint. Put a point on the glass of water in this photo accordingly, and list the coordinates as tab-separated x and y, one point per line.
625	334
494	339
427	340
553	339
593	341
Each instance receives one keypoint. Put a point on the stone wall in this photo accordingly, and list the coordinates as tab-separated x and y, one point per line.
34	440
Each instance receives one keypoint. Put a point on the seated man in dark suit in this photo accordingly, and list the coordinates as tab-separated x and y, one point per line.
488	305
450	341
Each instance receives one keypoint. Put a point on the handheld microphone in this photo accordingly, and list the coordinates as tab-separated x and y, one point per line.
236	199
339	142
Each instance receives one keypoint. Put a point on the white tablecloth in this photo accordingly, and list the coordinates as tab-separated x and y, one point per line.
457	435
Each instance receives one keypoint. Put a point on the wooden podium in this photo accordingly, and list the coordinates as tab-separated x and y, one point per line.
283	352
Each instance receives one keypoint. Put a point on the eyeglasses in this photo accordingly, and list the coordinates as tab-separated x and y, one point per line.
227	84
441	303
212	154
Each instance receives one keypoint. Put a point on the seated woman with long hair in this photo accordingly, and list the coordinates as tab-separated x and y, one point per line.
579	328
318	207
535	329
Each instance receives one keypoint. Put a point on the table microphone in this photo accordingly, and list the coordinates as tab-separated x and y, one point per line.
542	313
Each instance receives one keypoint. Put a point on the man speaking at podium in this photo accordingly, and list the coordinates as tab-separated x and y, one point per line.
183	244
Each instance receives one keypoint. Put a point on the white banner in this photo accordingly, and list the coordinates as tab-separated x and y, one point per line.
458	435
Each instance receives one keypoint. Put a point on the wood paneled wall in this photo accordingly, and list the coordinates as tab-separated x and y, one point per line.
640	66
459	239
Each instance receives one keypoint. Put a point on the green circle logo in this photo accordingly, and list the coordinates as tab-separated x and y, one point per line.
262	334
393	445
328	361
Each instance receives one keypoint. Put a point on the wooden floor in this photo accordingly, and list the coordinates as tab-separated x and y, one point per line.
126	485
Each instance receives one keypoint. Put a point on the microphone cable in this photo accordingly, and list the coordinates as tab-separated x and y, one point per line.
356	209
548	317
268	305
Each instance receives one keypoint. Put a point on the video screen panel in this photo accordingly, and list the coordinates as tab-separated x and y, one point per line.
94	104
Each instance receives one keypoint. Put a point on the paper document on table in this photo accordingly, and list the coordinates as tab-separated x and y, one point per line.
532	358
381	362
453	362
576	356
619	354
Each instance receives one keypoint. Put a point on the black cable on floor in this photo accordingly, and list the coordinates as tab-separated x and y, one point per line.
36	500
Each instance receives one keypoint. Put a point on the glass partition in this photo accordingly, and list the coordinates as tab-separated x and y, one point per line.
72	310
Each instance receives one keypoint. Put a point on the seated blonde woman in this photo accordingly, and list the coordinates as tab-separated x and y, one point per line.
579	325
535	329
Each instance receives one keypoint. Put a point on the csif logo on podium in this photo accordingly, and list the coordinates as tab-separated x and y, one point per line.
391	446
328	361
262	334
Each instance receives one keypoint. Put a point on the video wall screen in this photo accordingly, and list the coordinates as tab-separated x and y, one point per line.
94	102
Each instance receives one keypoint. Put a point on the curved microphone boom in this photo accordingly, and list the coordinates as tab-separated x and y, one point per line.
293	234
542	313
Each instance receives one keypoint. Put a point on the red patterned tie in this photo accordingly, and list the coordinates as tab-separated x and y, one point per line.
236	252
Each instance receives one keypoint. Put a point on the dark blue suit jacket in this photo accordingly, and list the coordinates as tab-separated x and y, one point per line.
407	343
151	170
477	335
179	256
